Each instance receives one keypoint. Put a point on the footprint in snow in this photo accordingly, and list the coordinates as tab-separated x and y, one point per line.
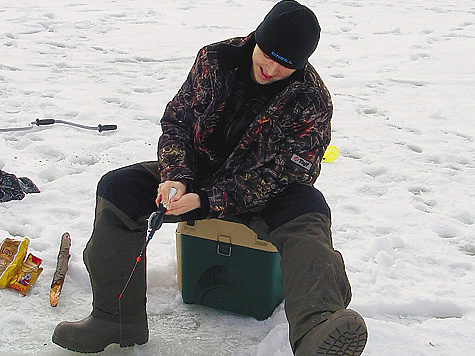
422	200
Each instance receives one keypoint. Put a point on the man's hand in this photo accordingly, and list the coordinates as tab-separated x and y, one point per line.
186	203
181	202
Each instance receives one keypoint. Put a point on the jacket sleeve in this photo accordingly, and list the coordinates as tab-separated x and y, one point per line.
305	133
175	146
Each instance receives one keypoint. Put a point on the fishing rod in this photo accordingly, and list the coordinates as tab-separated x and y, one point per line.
44	122
155	221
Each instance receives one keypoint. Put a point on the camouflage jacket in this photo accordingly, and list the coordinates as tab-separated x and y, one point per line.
284	144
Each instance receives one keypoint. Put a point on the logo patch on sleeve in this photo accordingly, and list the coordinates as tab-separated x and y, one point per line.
301	162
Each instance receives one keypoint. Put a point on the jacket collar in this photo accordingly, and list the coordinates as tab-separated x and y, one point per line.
234	52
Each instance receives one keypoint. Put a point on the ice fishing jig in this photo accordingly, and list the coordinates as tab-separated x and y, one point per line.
44	122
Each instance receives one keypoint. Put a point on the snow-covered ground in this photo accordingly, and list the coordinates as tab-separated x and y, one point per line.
402	80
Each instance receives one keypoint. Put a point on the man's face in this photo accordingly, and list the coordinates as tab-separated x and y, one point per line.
265	70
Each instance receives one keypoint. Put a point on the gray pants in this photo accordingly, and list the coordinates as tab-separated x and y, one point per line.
297	222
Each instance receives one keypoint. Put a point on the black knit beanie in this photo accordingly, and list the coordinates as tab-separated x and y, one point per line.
289	34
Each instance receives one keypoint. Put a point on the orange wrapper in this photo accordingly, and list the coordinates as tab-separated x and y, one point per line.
27	274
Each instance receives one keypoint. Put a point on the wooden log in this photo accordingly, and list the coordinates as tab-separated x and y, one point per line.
61	269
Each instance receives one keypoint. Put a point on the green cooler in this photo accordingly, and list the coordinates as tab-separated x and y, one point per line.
224	265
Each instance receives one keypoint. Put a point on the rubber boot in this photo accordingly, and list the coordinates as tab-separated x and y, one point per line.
92	334
110	256
313	273
342	334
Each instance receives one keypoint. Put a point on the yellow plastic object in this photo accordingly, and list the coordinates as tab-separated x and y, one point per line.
331	154
13	260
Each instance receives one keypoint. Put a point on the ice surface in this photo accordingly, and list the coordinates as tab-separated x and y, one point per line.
402	80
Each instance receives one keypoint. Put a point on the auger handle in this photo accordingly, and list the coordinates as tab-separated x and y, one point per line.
106	127
42	122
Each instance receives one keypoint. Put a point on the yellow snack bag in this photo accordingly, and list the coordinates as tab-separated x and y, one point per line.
12	254
27	274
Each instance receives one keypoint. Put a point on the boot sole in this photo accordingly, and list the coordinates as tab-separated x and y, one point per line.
78	349
96	350
91	350
125	343
346	337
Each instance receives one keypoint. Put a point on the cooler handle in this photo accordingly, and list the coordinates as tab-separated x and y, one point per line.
223	248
